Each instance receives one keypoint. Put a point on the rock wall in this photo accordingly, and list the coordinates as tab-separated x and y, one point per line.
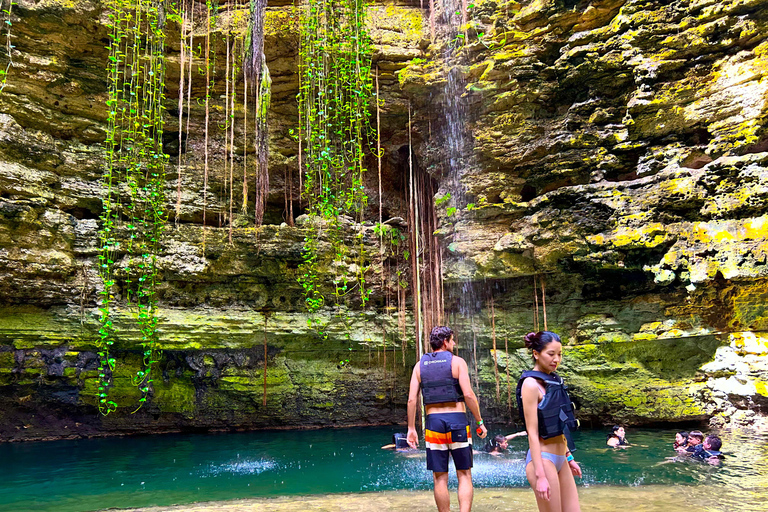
619	153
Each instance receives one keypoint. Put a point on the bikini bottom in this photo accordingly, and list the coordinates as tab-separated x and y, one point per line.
557	460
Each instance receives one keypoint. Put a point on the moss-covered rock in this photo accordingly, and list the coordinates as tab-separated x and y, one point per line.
618	153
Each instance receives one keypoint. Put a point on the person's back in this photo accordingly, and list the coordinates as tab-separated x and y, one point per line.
443	380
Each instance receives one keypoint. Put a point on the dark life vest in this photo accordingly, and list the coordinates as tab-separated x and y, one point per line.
555	411
622	441
400	441
700	452
437	382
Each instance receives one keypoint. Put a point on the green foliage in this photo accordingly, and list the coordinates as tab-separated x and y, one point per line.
392	240
335	91
134	210
8	49
442	200
450	211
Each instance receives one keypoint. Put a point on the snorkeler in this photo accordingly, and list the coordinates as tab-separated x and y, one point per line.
550	467
443	380
499	444
616	437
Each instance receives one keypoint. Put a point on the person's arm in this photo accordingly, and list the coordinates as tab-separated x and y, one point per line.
516	434
575	468
413	399
469	396
530	394
612	442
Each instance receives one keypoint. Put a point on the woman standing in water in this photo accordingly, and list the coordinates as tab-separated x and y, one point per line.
550	467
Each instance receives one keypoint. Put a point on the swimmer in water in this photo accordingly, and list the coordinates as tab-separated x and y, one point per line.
399	443
681	440
709	450
616	438
500	443
695	438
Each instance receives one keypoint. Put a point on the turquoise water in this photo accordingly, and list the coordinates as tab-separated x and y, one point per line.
83	475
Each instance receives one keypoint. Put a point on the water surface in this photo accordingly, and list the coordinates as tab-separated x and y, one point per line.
84	475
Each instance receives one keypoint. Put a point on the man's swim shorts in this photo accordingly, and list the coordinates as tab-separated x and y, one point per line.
448	433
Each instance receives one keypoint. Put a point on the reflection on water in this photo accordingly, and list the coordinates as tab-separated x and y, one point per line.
162	470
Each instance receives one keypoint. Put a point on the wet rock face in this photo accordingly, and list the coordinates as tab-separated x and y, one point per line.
621	143
618	147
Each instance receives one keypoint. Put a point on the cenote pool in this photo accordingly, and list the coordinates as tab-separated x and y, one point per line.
95	474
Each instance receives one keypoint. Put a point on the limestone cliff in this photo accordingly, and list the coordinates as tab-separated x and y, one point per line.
617	151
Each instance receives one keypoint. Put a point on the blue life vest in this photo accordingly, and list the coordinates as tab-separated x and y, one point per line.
555	411
437	382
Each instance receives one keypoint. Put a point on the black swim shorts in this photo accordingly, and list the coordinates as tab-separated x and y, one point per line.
448	433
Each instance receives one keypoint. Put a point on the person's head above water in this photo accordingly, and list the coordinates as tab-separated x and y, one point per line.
712	442
617	431
695	438
681	438
439	335
546	349
496	444
500	442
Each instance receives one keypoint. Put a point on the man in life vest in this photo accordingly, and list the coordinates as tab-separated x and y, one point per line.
709	450
443	380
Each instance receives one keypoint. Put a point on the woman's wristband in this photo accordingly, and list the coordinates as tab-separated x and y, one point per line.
569	458
479	422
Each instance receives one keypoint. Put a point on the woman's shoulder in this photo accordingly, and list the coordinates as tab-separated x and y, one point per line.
531	384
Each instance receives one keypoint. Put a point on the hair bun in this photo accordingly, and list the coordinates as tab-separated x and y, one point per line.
530	339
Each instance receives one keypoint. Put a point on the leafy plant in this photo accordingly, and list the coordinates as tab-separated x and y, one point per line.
444	199
6	13
134	182
335	90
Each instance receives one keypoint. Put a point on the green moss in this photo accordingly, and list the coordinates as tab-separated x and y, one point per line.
30	327
177	396
7	362
674	358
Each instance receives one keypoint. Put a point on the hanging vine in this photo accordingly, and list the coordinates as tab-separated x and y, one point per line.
6	7
335	91
258	78
134	209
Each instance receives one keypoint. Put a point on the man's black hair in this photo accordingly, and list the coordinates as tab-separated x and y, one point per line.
439	335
